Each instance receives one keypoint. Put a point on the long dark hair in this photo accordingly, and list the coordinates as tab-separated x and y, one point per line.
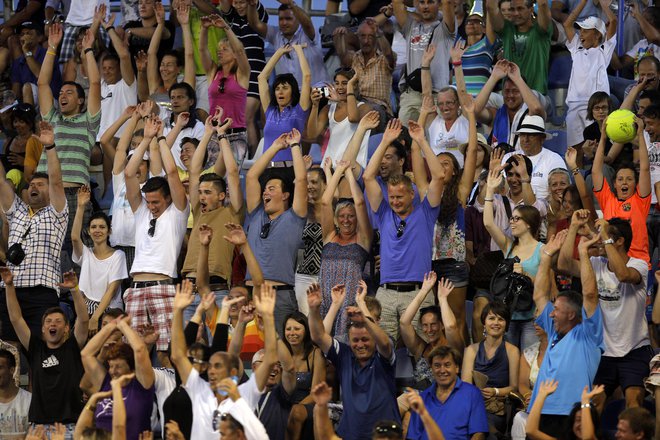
285	78
449	203
568	433
301	319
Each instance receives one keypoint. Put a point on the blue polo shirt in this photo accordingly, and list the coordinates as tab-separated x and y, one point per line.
408	257
462	415
573	360
368	393
21	73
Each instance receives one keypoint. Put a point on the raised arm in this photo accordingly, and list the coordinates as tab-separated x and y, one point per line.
236	236
586	196
130	117
86	418
55	184
182	14
253	19
133	194
208	64
374	193
141	61
533	103
125	63
416	402
7	191
264	88
95	370
299	204
319	336
94	96
197	161
177	189
231	168
612	20
365	231
599	160
427	80
143	368
495	15
383	341
243	72
400	12
499	72
452	332
343	52
322	394
544	274
368	122
570	19
587	425
544	17
616	263
327	208
470	166
45	93
118	406
436	186
184	297
411	339
153	74
306	87
449	16
587	276
338	294
84	197
533	431
566	264
644	186
265	306
14	309
492	187
303	18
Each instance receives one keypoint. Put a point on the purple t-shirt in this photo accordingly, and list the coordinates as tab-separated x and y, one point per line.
408	257
139	404
282	122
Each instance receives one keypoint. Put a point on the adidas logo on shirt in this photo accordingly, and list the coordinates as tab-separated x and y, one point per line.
50	361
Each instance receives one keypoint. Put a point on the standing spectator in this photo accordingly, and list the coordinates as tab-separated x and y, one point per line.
365	368
649	21
648	82
406	230
276	217
285	105
519	101
621	284
14	401
53	356
160	225
591	51
102	267
25	69
140	32
574	324
456	406
630	199
477	59
526	39
228	81
532	134
75	128
422	30
373	64
36	232
295	27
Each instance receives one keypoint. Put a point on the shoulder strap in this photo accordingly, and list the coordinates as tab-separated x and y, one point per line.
507	207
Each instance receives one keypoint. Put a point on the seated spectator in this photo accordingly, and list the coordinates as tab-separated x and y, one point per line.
456	406
649	22
22	151
582	422
140	33
286	104
558	180
532	134
591	51
576	343
495	359
340	117
295	28
648	69
635	422
14	401
533	55
630	199
102	267
365	368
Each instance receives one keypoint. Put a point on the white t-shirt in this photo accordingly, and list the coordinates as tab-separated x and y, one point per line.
96	275
195	132
158	254
542	164
164	384
589	72
14	416
443	141
654	162
81	12
341	134
642	49
114	100
123	221
204	403
623	307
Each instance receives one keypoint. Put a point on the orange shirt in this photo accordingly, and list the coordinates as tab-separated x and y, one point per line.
635	209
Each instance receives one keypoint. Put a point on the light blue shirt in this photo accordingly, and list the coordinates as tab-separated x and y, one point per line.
572	360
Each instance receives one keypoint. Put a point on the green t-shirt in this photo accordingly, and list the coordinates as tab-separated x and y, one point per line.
214	35
530	51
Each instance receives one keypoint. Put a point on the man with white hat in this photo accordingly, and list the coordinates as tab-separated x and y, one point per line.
532	134
591	49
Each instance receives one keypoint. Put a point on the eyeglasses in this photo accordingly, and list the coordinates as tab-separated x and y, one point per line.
222	417
265	230
152	227
197	361
515	218
447	103
389	428
474	21
221	85
400	229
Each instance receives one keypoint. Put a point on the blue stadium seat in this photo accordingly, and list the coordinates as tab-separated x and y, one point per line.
557	143
374	141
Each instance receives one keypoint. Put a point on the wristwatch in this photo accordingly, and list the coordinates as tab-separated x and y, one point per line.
608	241
28	54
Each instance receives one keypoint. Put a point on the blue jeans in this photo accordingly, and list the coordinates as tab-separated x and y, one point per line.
522	334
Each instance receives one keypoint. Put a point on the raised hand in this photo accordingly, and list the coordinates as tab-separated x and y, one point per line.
327	165
228	302
457	51
173	431
587	242
46	133
571	157
321	393
183	13
55	35
580	217
370	121
160	13
392	131
468	103
182	119
445	287
500	70
588	395
494	181
265	301
148	334
110	21
8	276
416	132
69	280
338	294
57	431
428	106
415	401
519	166
316	96
308	161
514	71
495	163
230	388
205	234
152	126
314	296
84	196
280	142
589	148
184	295
555	242
343	165
123	380
141	61
361	293
88	40
429	281
246	314
293	137
428	56
639	122
236	234
548	387
99	14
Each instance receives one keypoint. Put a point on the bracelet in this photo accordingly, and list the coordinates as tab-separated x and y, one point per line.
91	408
457	63
296	144
497	392
161	138
488	200
575	171
585	405
110	28
425	68
387	16
370	319
50	52
222	136
49	147
89	49
547	253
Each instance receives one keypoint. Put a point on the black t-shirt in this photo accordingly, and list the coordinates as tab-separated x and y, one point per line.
136	44
56	374
178	407
273	411
371	10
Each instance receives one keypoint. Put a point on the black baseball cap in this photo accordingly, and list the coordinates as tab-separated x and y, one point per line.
30	25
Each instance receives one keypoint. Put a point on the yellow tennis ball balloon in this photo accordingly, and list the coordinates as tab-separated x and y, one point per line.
621	126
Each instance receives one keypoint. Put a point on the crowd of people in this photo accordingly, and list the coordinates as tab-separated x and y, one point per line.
199	241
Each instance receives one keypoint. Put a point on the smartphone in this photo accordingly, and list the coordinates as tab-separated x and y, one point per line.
325	91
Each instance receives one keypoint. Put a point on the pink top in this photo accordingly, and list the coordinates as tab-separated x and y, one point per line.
232	98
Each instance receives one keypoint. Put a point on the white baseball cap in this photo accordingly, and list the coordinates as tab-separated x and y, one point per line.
592	23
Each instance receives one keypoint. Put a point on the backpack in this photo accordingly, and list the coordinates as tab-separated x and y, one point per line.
513	289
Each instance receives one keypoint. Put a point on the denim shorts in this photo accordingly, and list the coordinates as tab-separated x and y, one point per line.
458	272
